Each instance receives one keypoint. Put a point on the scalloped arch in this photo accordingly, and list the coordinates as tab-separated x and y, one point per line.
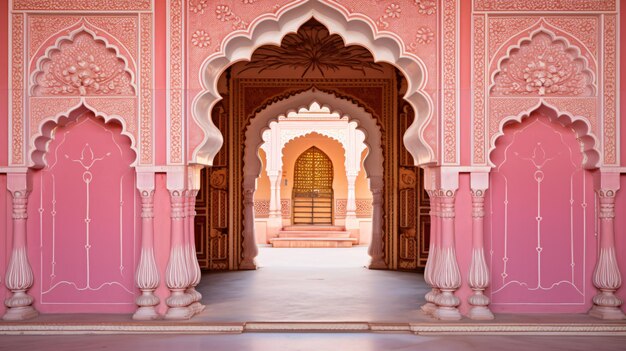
40	141
366	123
85	74
269	29
556	70
589	142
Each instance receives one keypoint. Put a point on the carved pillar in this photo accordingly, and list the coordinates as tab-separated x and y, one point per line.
194	268
275	220
376	246
606	276
19	276
177	271
478	273
147	274
447	275
250	249
429	271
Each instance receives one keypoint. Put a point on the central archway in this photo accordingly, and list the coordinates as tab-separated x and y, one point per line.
373	163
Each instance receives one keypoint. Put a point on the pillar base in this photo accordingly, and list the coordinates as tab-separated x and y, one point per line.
377	264
480	313
247	265
146	314
429	308
174	313
197	307
447	314
20	313
607	312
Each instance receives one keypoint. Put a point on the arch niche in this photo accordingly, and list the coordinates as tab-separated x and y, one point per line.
373	163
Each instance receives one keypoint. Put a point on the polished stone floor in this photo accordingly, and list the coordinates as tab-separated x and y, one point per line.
310	342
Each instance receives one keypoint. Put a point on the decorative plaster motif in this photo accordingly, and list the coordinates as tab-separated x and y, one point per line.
17	89
364	207
147	88
424	35
200	39
503	28
175	83
123	28
542	5
198	6
450	80
285	208
543	65
478	71
312	49
261	208
82	65
610	90
340	208
224	14
72	5
42	27
426	7
392	11
585	28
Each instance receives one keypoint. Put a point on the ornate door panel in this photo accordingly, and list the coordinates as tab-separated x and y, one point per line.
211	223
312	194
413	205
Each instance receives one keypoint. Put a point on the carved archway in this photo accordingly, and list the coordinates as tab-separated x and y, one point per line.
45	133
373	163
579	124
271	28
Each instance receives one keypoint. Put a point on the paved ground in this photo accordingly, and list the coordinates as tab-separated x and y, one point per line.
312	342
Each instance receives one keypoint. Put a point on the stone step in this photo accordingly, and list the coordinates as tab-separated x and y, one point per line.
313	234
312	242
314	228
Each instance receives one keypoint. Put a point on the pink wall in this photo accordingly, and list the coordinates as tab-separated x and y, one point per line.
83	221
160	78
540	220
620	206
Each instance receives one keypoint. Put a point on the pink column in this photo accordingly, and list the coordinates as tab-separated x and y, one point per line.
195	273
177	271
606	276
250	249
478	273
147	274
447	276
19	276
431	263
376	246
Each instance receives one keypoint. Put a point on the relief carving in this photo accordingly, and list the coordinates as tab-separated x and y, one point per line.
543	66
82	65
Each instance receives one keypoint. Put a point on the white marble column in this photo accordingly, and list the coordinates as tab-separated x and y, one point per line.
177	271
447	275
147	274
275	220
250	249
19	275
375	251
429	271
606	276
478	273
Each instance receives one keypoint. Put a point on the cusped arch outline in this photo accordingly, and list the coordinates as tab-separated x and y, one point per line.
355	29
580	125
542	28
366	123
71	39
307	133
45	132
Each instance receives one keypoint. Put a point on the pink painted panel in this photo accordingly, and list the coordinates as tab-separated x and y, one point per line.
5	224
83	221
540	220
620	235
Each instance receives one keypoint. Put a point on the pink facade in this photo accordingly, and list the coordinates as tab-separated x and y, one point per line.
106	118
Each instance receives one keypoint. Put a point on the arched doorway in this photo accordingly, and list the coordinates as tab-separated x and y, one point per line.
312	193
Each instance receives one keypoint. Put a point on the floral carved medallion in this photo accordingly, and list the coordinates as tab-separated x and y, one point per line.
543	66
83	66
